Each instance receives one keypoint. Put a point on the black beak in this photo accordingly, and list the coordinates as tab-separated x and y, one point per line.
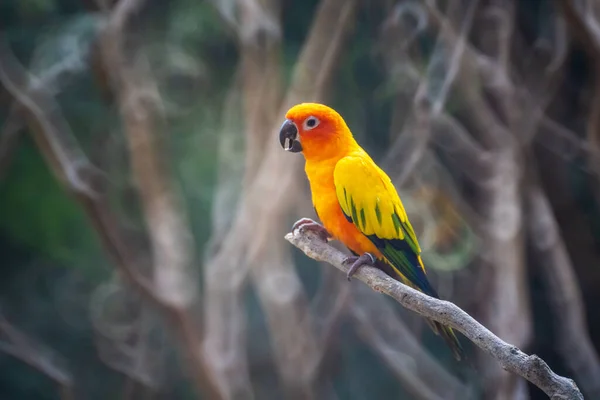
288	137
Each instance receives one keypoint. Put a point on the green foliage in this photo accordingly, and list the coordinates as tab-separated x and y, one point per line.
194	23
28	8
39	214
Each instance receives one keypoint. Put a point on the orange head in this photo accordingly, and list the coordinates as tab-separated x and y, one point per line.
317	131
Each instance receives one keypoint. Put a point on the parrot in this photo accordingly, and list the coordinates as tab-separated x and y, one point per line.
356	202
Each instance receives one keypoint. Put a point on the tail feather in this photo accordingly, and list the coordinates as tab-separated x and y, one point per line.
445	332
449	337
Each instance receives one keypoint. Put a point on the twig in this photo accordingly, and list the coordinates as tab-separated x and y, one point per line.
52	79
260	35
36	356
429	99
510	357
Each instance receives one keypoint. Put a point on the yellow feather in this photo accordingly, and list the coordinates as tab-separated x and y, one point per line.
359	181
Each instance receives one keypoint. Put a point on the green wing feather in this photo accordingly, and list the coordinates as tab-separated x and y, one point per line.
370	201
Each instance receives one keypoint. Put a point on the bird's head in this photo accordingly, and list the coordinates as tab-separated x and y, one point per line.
316	130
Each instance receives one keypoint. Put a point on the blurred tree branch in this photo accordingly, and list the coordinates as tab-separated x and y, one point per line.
489	154
473	87
18	345
224	313
530	367
582	21
171	239
573	341
88	184
51	79
247	246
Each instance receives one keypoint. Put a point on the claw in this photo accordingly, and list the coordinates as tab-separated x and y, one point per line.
302	221
350	260
307	224
365	259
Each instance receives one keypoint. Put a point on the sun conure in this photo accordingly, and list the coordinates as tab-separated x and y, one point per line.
356	201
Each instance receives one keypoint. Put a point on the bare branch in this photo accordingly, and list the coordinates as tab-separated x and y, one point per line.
475	70
583	25
448	57
530	367
51	79
430	97
464	153
37	356
143	117
261	75
128	342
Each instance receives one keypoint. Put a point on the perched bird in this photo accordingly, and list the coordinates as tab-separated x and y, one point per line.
356	201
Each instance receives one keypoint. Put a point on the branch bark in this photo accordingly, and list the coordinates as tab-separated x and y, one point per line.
510	357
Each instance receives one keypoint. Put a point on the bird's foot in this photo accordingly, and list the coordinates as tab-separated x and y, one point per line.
307	224
357	262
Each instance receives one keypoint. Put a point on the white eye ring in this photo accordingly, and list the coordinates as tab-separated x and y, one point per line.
311	123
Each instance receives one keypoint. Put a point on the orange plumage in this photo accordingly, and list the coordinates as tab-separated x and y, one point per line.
356	200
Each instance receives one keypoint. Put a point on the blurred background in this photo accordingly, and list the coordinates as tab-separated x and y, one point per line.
144	196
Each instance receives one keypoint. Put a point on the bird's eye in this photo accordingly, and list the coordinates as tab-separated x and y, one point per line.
310	123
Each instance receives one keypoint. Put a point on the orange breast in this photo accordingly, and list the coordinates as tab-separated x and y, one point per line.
330	213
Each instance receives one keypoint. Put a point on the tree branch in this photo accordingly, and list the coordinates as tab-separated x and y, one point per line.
510	357
39	357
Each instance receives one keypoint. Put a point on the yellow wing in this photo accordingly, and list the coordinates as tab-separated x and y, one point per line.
370	201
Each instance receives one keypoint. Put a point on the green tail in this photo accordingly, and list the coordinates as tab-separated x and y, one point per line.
422	284
449	337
